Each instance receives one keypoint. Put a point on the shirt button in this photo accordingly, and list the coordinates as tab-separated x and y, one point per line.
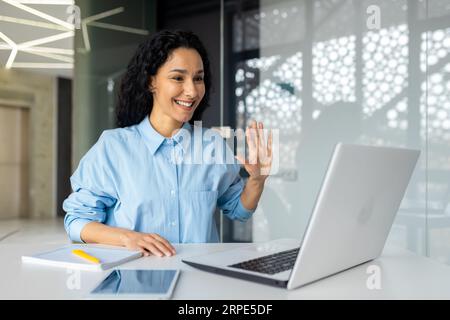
174	223
172	192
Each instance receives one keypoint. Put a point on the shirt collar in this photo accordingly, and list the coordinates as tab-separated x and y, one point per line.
154	139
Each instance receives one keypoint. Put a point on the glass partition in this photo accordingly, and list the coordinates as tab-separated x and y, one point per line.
435	94
324	71
108	35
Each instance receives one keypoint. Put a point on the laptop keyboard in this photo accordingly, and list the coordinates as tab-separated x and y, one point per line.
271	264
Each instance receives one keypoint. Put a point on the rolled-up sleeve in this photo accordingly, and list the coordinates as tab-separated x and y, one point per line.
230	201
93	191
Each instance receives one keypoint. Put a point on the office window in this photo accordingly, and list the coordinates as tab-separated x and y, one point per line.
327	71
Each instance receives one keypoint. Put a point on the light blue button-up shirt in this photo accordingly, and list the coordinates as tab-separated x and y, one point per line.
133	178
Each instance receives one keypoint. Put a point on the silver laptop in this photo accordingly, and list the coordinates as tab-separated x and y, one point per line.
349	225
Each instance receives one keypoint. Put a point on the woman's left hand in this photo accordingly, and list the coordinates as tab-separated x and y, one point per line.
260	156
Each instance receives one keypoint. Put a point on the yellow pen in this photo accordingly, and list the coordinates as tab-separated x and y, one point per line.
84	255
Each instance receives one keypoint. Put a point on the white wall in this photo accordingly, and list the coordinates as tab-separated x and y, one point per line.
36	92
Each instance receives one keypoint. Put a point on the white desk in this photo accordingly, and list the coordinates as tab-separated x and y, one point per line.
404	275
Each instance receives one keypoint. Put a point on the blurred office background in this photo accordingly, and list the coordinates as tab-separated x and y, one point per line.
321	71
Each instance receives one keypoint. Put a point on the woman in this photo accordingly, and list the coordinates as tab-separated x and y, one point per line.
127	189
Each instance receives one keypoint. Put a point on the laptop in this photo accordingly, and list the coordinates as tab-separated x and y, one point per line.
353	214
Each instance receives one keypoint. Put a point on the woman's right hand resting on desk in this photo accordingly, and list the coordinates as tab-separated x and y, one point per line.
147	243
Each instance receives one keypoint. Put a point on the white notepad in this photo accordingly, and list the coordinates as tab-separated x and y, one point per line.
63	257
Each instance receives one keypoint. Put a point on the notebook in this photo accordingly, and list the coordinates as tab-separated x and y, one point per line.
63	257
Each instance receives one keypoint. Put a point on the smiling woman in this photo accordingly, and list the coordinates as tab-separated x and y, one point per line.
178	89
128	191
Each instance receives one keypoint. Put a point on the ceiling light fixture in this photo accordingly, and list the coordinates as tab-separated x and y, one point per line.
12	45
90	19
34	65
55	37
32	46
118	28
49	55
11	58
58	2
40	14
33	23
104	14
70	52
51	50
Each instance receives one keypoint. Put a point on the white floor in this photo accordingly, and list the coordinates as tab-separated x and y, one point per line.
19	231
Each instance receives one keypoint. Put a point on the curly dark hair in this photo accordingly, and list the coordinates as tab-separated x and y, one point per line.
135	101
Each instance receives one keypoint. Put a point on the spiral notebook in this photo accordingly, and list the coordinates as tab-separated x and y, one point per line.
63	257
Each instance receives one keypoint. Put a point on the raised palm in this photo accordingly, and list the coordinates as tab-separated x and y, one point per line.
259	160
